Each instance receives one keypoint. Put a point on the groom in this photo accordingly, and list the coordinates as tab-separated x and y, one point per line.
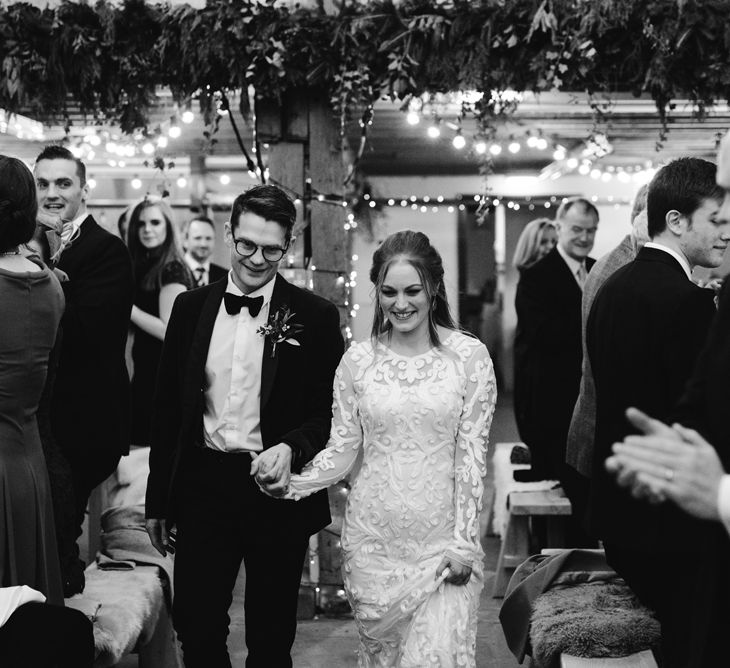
236	383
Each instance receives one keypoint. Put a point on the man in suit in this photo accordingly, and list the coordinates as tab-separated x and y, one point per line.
645	331
198	242
579	449
228	392
548	349
90	400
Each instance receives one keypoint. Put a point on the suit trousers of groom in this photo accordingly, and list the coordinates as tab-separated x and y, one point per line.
217	528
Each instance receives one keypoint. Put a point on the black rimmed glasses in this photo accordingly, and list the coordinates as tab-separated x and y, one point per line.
246	248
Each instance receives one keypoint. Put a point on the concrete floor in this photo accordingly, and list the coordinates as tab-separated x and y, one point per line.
332	643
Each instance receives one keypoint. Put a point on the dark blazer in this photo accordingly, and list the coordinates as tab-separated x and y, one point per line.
91	402
548	355
296	398
705	403
216	272
645	331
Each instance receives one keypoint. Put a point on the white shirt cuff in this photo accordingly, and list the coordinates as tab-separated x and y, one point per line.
723	501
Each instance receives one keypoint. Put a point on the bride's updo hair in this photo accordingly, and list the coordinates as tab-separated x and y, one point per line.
415	248
18	203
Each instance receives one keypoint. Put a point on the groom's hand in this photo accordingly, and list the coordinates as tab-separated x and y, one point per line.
272	469
157	531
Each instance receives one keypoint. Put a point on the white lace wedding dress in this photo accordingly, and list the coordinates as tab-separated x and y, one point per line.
412	432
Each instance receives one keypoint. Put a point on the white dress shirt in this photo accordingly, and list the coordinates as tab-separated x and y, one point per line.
575	266
677	256
232	418
723	501
195	265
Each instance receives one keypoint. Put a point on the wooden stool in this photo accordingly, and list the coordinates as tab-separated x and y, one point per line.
552	504
643	659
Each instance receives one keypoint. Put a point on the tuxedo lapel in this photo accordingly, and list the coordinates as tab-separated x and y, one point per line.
195	374
270	362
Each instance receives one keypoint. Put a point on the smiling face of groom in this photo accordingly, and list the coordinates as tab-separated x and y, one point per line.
258	235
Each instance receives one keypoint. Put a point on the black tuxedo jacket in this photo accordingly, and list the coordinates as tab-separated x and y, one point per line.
645	331
296	398
547	352
90	407
216	272
705	403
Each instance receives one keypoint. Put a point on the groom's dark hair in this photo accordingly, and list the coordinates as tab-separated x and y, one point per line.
680	185
269	202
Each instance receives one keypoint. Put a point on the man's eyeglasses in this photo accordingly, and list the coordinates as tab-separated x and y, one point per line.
246	248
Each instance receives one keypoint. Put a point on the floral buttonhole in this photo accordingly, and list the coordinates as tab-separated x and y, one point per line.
281	329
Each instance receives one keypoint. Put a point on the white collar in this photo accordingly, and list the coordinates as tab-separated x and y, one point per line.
265	291
194	264
76	222
572	263
677	256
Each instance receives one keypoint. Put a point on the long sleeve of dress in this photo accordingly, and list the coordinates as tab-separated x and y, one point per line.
333	463
470	455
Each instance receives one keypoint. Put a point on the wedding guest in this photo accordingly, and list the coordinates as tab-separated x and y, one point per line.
548	352
91	426
645	331
123	224
412	411
538	238
247	367
30	309
160	275
579	449
199	242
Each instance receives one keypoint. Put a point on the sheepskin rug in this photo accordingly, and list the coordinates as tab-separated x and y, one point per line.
590	620
130	607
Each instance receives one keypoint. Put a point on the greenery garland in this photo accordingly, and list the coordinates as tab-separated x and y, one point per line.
111	59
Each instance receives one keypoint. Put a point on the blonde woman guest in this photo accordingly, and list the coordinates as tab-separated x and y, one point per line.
538	238
160	276
412	411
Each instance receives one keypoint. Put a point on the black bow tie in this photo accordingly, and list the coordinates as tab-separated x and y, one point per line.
233	303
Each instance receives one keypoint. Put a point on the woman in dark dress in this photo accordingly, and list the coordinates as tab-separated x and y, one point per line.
31	305
160	275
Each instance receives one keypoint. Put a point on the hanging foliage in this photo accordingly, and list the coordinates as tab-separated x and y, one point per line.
110	59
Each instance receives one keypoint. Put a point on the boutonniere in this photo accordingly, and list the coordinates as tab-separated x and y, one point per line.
281	329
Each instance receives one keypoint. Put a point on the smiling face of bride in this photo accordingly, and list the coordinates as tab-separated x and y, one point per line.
404	300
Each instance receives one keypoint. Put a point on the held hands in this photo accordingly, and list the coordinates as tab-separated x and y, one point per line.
458	573
272	469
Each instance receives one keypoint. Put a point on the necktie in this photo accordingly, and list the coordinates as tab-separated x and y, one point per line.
233	304
199	276
581	275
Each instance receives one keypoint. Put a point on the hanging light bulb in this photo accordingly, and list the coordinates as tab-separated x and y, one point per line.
181	182
434	131
458	141
480	147
188	116
413	118
174	132
514	147
495	149
136	183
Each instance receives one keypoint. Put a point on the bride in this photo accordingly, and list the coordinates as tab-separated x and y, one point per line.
412	410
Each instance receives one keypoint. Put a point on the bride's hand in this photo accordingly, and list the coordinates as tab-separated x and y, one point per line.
459	574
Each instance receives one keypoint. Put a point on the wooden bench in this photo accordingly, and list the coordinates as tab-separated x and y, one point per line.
552	504
643	659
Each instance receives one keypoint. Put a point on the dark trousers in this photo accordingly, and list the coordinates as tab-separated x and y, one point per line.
689	594
214	534
39	635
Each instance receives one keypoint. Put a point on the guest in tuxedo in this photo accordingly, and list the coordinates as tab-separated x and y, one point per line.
90	405
579	450
199	242
247	370
160	276
645	331
538	238
547	343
